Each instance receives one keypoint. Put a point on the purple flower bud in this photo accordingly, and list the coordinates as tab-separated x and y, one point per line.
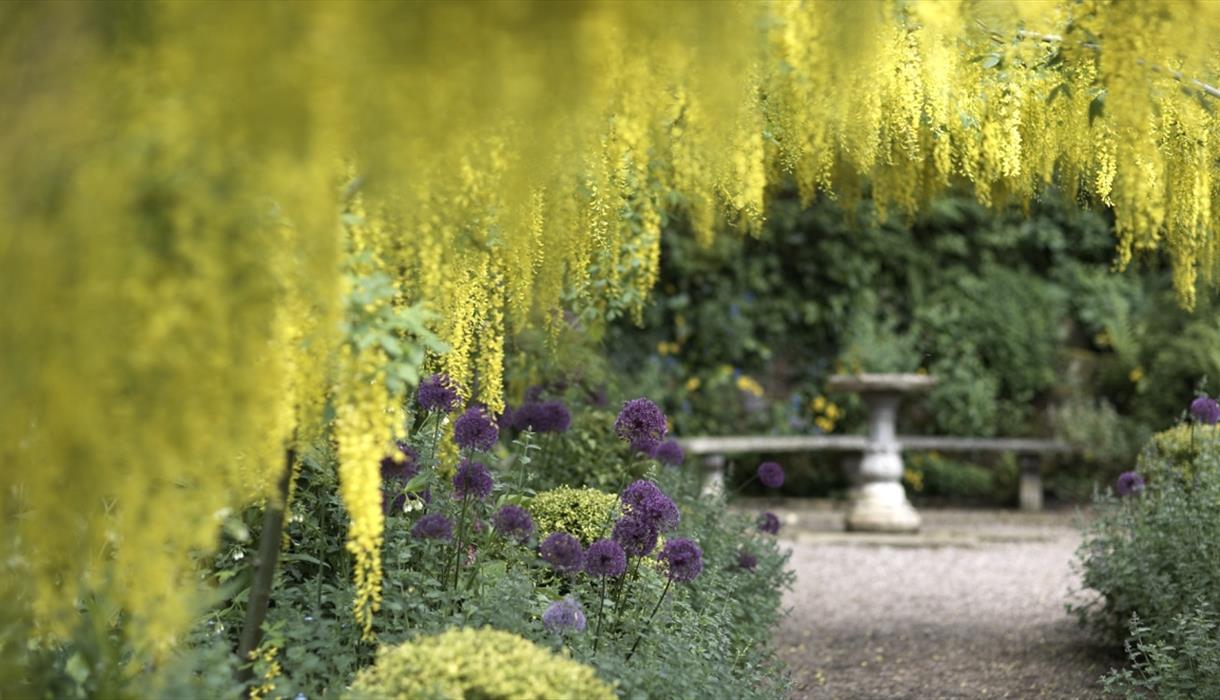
684	559
645	500
394	470
564	616
1129	483
436	393
605	558
635	535
563	551
746	560
514	521
669	452
769	523
433	526
641	423
471	479
475	430
1205	410
771	475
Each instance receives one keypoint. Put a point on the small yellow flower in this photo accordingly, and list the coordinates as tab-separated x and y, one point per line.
1136	375
819	403
913	479
747	384
824	424
693	384
832	411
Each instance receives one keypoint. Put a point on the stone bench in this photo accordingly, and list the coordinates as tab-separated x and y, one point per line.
1029	453
879	502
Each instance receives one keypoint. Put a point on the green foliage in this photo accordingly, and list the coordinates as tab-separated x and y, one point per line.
1154	561
1016	311
469	663
940	476
584	512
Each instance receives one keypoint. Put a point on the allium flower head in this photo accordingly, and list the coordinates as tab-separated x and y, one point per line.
605	558
642	424
394	470
645	499
669	452
768	522
563	551
1206	410
472	479
1129	483
433	526
564	616
391	503
543	417
684	559
771	475
436	393
513	521
475	430
635	535
746	560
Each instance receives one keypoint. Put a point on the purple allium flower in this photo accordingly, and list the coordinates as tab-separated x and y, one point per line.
768	522
1205	410
635	535
394	470
436	393
564	616
669	452
746	560
1129	483
684	558
543	417
514	521
771	475
391	503
475	430
563	551
646	500
472	479
642	424
433	526
605	558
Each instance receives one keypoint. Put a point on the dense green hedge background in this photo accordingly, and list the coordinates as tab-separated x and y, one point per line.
1019	313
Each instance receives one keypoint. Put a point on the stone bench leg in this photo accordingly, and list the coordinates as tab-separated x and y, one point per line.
1030	494
713	475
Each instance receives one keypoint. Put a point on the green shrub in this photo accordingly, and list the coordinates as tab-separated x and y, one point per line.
486	664
1154	560
584	512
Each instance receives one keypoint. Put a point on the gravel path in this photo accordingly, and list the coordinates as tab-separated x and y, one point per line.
973	607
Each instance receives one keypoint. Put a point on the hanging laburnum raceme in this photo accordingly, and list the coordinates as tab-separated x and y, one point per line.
226	223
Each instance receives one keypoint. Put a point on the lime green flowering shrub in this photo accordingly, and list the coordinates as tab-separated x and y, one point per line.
476	663
583	512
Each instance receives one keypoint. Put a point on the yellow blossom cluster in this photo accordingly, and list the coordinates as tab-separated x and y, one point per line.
172	177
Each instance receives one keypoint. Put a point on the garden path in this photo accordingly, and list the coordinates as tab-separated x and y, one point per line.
972	607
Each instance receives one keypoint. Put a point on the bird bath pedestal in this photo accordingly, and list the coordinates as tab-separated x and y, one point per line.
879	503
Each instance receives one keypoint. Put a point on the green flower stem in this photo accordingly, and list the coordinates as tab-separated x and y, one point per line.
601	602
457	558
647	622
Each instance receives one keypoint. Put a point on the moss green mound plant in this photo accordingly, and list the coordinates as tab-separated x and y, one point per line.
583	512
486	664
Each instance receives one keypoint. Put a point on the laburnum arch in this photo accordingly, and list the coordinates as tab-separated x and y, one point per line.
230	229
